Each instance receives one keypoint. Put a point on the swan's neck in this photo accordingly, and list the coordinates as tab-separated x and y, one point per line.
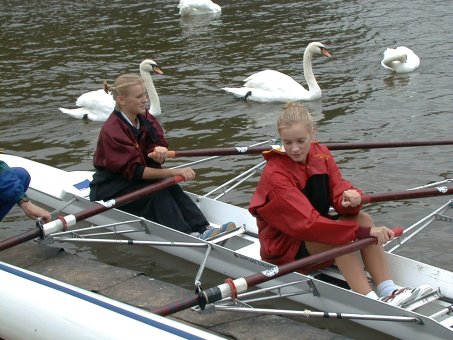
152	93
400	57
308	72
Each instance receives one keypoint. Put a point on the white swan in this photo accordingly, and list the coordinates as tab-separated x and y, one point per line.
400	60
196	7
98	105
273	86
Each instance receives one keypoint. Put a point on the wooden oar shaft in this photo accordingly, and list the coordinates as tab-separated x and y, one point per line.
127	198
212	295
243	150
408	194
309	261
219	151
21	238
217	293
383	145
63	222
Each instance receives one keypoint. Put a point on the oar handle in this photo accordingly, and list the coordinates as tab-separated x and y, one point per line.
398	231
170	154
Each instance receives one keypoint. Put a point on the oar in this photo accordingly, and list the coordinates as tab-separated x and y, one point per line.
244	150
63	222
233	287
408	194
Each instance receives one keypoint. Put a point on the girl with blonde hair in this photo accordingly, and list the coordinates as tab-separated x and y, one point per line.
292	206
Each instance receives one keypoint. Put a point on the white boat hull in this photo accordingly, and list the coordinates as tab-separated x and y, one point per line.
33	306
238	256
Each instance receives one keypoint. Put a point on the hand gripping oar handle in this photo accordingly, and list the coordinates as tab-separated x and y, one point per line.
244	150
232	287
408	194
63	222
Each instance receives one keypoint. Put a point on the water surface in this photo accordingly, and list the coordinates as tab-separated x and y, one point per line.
53	51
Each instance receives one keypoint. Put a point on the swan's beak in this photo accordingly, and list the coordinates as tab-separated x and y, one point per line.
157	69
325	52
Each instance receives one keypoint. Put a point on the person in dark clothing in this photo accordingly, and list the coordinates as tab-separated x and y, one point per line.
14	183
123	164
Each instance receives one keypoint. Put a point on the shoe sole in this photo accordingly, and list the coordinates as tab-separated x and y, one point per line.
227	227
417	293
213	233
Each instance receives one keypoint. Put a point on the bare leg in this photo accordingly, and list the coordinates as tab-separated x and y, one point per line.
350	265
376	263
373	256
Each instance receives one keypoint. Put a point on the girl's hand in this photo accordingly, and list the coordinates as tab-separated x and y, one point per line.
159	154
351	198
382	234
33	211
187	173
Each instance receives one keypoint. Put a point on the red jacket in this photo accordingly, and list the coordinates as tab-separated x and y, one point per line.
285	216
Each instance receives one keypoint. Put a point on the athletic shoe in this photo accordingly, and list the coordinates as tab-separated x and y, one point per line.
210	233
195	234
402	296
227	227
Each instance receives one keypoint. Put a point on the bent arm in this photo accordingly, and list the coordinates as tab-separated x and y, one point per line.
158	173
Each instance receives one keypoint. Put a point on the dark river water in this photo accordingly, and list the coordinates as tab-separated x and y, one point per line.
53	51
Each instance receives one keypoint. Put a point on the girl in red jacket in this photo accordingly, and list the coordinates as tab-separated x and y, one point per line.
292	206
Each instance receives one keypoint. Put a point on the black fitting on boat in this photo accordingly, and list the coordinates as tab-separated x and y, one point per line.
202	300
210	295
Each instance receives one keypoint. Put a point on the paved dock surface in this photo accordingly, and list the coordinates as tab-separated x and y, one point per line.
139	290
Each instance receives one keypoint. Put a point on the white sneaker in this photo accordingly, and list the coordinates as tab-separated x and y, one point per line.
404	295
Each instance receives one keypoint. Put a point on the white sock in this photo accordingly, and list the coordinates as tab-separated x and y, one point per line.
385	288
372	295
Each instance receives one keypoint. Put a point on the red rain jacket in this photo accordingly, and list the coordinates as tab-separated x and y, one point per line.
285	216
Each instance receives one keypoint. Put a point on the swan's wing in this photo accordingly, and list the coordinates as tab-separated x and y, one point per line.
388	53
259	95
400	59
270	80
79	113
96	101
91	97
412	61
194	7
83	113
391	58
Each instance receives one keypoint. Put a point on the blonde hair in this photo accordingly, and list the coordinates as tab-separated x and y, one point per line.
121	85
293	113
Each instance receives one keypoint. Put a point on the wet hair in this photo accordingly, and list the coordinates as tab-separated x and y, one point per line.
121	85
293	113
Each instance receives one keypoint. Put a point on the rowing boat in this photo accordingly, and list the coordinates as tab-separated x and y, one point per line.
236	254
70	312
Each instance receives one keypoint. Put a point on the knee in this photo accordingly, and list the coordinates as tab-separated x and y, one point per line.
365	219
